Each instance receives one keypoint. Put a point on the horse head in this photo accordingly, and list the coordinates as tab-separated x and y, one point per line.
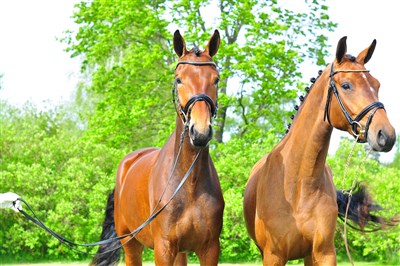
196	88
357	109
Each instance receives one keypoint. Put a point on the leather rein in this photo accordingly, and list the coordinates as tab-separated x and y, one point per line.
354	123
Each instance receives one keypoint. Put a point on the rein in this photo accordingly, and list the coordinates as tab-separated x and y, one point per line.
354	123
350	194
35	219
184	112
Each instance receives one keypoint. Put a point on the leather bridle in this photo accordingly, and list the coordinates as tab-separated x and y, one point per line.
354	123
184	112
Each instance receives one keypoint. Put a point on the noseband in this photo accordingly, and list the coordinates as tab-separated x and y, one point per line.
185	111
354	123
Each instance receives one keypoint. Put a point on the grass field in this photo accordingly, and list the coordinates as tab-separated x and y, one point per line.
222	264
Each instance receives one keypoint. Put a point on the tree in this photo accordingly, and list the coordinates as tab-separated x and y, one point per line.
128	58
261	52
263	44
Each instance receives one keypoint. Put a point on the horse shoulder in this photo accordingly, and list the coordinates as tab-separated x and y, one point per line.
128	161
250	195
329	185
256	168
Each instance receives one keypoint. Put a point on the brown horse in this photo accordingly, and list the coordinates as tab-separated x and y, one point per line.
147	178
290	201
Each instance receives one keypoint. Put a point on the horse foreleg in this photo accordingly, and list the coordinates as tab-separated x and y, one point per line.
323	247
272	258
321	259
323	252
164	252
326	260
181	259
133	252
210	254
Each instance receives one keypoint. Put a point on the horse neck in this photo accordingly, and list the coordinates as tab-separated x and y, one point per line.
188	154
307	142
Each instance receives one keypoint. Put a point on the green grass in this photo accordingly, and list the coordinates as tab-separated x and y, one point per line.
149	264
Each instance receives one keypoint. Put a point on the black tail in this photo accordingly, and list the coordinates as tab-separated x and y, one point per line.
360	208
110	257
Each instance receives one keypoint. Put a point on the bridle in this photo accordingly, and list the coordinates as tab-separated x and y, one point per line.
184	112
354	123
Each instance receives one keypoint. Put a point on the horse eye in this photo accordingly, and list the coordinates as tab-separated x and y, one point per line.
178	81
346	86
216	81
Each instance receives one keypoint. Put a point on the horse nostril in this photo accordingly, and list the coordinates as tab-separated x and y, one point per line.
191	130
382	138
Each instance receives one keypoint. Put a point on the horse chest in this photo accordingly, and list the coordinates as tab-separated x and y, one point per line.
195	216
193	224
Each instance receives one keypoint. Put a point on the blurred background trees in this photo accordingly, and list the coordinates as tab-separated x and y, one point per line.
63	160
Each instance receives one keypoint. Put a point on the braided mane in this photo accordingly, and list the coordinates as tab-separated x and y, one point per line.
302	98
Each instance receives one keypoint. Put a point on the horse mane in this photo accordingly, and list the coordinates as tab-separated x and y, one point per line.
196	51
302	98
308	89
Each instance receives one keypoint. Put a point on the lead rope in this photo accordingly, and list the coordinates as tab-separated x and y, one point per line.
35	219
350	193
173	168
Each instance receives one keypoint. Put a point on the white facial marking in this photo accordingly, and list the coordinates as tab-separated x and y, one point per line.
365	77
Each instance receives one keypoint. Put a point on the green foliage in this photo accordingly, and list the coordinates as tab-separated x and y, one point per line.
255	76
396	159
234	161
64	177
127	50
63	161
383	184
127	53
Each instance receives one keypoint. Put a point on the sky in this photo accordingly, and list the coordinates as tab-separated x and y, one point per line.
36	68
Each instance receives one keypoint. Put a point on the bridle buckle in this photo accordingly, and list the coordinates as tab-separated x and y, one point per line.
356	133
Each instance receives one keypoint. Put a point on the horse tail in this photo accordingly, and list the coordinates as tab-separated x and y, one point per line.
360	208
108	253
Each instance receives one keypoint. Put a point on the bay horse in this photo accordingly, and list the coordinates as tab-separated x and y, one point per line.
290	201
147	178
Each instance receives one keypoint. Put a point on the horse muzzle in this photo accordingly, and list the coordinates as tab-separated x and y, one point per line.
199	112
382	134
382	140
200	138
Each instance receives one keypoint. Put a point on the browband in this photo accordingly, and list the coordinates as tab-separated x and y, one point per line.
196	63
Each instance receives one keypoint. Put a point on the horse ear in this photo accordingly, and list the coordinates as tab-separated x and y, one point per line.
213	44
179	44
341	49
366	55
